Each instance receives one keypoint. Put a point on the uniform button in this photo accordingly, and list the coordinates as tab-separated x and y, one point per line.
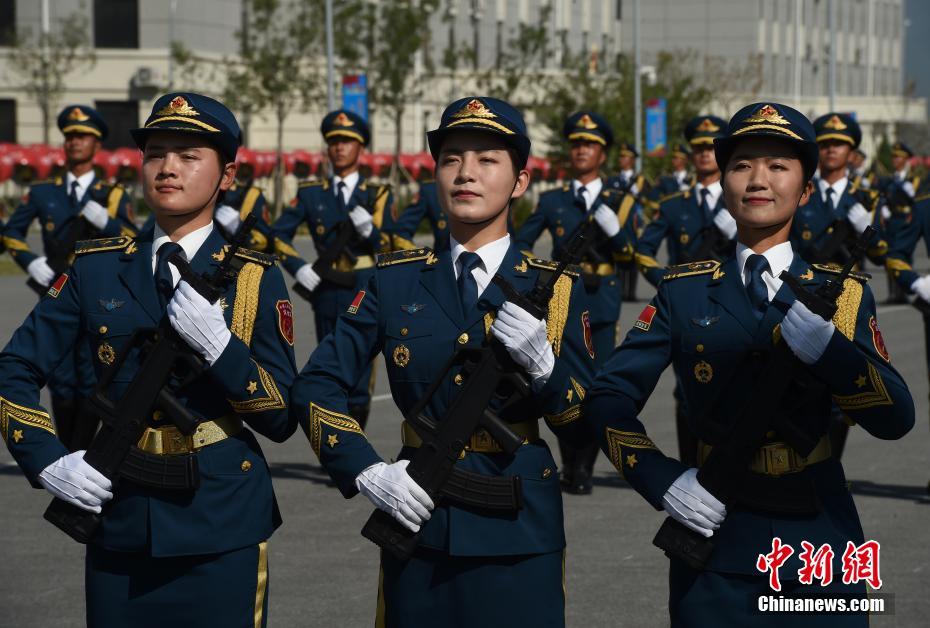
246	465
157	415
547	472
770	434
463	339
699	348
404	331
458	379
103	329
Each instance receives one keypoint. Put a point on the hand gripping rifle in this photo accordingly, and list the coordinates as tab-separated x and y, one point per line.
345	235
726	469
61	252
492	376
167	365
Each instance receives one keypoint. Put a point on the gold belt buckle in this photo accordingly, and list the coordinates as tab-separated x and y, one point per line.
777	459
481	441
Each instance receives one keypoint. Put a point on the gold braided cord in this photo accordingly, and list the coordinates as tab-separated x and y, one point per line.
847	308
321	416
245	307
26	416
565	417
558	312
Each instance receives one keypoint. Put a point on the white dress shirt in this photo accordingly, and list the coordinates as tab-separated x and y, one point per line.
492	256
190	243
714	190
351	180
83	182
591	190
779	258
838	188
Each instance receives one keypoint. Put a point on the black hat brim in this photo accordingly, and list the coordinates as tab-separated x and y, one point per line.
520	143
228	148
808	151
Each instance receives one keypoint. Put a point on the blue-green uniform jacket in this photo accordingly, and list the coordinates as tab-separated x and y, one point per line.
410	311
914	226
424	205
107	294
702	322
558	214
679	219
813	225
48	202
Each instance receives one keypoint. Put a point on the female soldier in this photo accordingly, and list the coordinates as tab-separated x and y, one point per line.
474	566
717	323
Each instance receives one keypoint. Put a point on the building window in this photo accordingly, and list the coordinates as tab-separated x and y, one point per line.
116	23
121	115
7	22
8	120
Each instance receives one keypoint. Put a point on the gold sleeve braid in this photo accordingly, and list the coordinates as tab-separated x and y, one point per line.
617	439
284	249
320	416
878	396
558	312
26	416
847	308
573	413
625	206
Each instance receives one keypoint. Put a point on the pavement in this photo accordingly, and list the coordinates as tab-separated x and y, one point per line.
324	574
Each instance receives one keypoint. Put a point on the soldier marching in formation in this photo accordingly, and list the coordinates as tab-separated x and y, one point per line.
180	520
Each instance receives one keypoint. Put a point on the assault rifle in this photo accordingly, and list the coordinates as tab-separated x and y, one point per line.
61	252
726	470
491	376
168	364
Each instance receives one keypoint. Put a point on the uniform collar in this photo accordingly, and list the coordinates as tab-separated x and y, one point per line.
626	174
84	182
592	190
779	258
491	254
351	181
838	188
190	243
714	190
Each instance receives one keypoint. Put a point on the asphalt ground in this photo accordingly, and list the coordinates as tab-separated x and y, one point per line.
324	574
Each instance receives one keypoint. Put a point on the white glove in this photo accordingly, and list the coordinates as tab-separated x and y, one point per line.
690	504
228	217
859	217
525	339
362	220
886	213
391	489
95	213
725	222
806	333
307	277
39	270
908	188
199	322
922	287
634	189
73	480
607	220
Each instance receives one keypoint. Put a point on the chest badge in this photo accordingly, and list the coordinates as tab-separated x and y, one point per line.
707	321
806	234
106	354
111	305
684	238
560	231
401	356
320	229
412	308
703	372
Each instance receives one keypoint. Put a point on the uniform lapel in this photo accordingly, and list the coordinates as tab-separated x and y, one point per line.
439	280
210	253
515	270
139	278
729	292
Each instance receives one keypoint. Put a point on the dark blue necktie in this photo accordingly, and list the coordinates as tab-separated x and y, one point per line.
705	204
830	201
468	287
72	195
341	197
758	292
164	283
580	202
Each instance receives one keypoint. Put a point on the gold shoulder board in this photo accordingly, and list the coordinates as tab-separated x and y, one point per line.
402	257
688	270
669	197
101	244
309	184
265	259
544	264
836	269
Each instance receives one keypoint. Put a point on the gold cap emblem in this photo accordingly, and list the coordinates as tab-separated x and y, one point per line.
342	120
707	126
474	109
77	115
177	107
585	122
834	123
767	114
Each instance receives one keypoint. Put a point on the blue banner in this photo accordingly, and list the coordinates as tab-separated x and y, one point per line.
355	94
655	127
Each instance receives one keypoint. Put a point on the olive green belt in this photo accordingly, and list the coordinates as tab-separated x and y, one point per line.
777	458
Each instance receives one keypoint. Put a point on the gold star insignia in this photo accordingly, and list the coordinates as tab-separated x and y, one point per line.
332	439
631	460
252	387
860	381
17	435
570	395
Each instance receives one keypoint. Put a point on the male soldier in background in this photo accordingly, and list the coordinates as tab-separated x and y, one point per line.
563	212
75	205
327	207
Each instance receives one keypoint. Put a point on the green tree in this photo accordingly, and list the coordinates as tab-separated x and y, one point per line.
607	88
39	63
386	47
278	69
